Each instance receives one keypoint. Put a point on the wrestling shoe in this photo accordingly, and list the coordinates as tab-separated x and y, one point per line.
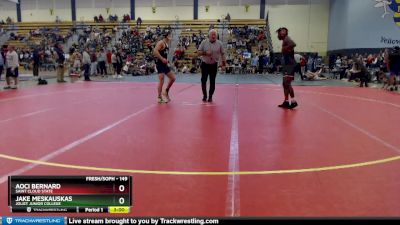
293	105
285	105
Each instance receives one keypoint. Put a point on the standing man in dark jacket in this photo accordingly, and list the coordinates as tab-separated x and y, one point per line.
36	61
86	63
119	63
58	48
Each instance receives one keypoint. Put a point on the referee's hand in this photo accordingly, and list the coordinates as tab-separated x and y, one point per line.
223	65
165	61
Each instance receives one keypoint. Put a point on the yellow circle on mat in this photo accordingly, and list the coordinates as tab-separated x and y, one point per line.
202	173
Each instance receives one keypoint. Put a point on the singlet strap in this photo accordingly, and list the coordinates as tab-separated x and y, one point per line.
166	44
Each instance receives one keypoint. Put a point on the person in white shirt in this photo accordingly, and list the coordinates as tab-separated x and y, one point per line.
297	58
338	62
12	67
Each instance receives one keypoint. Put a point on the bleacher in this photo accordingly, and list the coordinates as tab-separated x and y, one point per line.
188	28
24	28
203	26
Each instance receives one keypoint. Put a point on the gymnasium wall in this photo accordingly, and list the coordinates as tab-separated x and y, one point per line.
357	24
236	12
307	24
165	13
40	10
87	9
8	9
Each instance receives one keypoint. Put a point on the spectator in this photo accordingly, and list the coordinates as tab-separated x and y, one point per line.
93	64
119	63
297	69
303	64
102	62
126	18
12	63
254	63
394	67
364	78
228	17
158	30
114	62
355	72
266	60
86	61
113	19
36	62
60	59
76	61
369	60
139	22
261	63
338	62
109	62
179	52
2	63
311	64
115	30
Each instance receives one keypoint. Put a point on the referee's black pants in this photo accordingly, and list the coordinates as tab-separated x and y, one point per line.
208	70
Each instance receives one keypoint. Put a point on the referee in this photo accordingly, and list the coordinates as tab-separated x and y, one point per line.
211	52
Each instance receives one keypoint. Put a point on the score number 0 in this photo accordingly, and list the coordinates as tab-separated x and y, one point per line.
121	188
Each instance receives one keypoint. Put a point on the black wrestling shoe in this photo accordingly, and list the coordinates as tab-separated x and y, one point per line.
210	99
293	105
204	98
285	105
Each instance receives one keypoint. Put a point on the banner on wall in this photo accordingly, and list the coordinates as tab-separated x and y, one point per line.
390	8
15	1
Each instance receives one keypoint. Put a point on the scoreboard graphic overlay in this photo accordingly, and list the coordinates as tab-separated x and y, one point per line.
75	194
